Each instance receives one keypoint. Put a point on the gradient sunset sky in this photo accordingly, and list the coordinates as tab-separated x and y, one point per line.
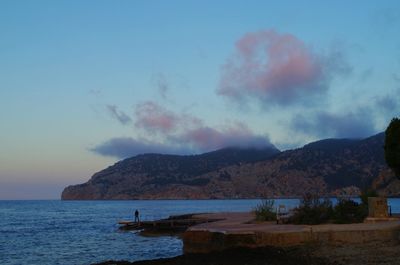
84	84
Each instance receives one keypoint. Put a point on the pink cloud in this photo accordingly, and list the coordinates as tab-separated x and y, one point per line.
151	116
274	67
236	135
154	118
197	140
201	139
168	132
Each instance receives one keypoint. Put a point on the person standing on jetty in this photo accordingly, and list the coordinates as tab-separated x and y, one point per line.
137	220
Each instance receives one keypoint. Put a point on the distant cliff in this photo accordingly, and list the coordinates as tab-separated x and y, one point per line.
329	167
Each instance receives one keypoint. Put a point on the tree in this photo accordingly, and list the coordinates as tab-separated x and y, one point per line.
392	146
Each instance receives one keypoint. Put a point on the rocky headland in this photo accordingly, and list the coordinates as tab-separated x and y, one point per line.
331	167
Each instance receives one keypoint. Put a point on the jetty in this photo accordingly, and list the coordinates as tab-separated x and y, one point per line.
172	224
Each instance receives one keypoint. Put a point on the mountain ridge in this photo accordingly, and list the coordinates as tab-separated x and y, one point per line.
162	169
330	167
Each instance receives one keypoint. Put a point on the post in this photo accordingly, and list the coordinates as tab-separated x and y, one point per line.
377	207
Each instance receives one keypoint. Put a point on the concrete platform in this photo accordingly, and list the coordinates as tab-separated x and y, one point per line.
172	224
238	230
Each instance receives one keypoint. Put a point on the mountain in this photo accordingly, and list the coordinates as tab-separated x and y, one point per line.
325	167
149	173
329	167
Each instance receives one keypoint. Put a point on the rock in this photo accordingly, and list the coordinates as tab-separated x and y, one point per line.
237	256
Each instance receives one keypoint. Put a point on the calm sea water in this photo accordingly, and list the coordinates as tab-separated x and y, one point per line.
84	232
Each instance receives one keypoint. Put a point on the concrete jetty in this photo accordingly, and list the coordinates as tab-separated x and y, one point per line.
172	224
239	230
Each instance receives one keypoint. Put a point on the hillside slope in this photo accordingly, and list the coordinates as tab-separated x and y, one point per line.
148	173
329	167
341	167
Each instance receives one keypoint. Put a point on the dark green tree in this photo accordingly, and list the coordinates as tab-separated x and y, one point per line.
392	146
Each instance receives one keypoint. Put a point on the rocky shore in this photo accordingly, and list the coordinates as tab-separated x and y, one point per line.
372	253
238	256
235	240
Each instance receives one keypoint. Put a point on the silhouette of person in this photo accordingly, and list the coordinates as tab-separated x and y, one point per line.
137	217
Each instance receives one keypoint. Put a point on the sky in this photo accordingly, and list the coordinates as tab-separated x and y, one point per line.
84	84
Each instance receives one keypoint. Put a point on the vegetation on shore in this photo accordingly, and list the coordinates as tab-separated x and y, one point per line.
312	210
265	210
316	210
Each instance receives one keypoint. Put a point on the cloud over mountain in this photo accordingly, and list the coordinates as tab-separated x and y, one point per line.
236	135
123	147
177	133
352	124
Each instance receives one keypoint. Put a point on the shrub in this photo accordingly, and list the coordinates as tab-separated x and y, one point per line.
315	210
348	211
265	210
312	210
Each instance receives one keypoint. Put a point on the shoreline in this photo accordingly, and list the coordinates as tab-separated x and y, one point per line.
214	199
235	236
371	253
222	199
236	256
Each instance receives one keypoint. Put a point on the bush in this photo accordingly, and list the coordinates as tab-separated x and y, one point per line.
265	210
348	211
312	210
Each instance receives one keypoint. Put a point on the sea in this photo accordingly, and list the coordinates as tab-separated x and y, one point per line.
51	232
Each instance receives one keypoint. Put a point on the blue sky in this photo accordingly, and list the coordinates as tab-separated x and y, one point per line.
86	83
